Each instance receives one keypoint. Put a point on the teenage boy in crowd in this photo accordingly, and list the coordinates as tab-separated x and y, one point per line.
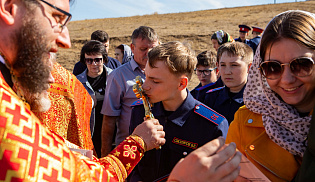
234	61
207	72
188	124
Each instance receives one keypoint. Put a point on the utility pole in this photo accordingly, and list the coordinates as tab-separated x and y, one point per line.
274	1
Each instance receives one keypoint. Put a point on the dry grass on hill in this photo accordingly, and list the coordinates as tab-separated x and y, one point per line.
195	27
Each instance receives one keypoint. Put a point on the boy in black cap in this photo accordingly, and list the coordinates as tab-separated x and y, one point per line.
243	33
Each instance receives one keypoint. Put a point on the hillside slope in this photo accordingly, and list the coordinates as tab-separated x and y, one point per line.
196	27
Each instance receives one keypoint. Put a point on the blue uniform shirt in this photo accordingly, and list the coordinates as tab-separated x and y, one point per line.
220	100
189	127
119	96
254	43
239	40
200	91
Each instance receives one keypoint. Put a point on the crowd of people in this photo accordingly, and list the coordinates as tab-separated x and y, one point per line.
255	98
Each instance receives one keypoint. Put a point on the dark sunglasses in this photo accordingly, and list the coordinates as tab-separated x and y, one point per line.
205	72
300	67
95	60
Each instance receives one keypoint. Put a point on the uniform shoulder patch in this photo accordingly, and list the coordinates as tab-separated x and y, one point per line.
137	103
215	89
206	86
209	114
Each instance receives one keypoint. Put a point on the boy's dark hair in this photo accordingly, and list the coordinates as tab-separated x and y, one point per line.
207	58
93	47
100	35
236	49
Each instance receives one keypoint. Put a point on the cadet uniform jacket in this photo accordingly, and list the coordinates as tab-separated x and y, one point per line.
254	43
189	127
219	100
200	91
239	40
249	135
256	40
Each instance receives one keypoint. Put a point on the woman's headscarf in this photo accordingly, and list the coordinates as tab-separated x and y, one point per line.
282	121
127	54
223	37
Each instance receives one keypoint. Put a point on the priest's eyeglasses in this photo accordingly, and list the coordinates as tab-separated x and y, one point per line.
62	20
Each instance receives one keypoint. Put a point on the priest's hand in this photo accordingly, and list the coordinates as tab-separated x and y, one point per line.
151	132
214	161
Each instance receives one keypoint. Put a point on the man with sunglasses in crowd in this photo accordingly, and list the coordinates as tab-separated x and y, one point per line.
94	57
103	37
207	72
31	31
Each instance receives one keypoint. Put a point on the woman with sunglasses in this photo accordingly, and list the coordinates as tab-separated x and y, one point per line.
94	55
271	129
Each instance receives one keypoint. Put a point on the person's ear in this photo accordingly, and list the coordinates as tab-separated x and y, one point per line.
183	83
132	47
8	11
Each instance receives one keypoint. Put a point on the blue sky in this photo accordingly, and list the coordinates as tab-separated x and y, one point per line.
95	9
